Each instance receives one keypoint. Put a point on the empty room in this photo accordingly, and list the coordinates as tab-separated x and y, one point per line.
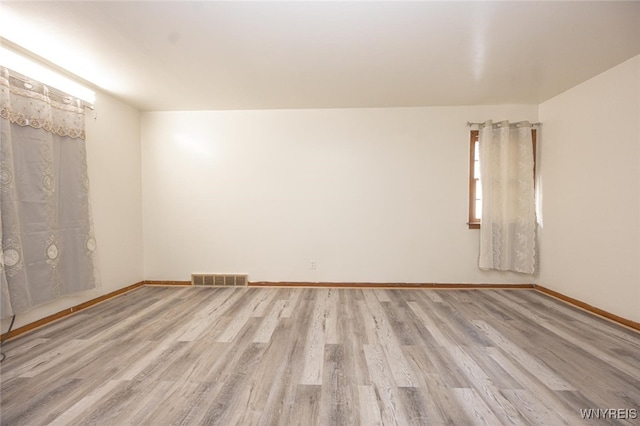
320	212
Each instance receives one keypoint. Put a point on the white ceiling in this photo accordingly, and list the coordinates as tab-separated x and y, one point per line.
177	55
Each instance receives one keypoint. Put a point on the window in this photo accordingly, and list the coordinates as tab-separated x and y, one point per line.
475	183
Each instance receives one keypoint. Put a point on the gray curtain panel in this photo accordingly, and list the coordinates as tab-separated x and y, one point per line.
48	244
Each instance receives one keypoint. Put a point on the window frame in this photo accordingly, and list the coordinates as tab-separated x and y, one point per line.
474	136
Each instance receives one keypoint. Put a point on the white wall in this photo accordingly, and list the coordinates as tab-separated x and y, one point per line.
371	195
113	157
590	173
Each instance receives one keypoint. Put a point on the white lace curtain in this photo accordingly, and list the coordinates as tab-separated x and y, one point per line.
48	244
507	232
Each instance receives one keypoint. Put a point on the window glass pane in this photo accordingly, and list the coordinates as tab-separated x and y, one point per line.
476	170
478	209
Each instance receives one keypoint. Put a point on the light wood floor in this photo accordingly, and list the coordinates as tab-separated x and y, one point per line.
293	356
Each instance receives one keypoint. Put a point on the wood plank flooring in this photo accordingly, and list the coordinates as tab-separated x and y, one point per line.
323	356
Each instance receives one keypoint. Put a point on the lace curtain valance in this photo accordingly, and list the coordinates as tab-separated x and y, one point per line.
36	105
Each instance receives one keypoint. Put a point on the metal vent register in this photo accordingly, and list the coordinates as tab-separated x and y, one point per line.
220	280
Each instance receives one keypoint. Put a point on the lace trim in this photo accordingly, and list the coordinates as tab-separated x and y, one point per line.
60	101
40	108
37	123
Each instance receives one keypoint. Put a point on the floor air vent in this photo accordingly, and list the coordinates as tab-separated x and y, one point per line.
219	280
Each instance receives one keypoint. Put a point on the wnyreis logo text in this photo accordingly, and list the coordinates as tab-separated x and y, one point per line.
608	413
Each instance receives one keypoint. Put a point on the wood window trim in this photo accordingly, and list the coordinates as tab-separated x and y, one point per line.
474	222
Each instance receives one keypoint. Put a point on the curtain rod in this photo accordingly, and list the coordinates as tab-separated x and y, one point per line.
27	80
469	123
16	49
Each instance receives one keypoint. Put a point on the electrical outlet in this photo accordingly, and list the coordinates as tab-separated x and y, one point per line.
313	264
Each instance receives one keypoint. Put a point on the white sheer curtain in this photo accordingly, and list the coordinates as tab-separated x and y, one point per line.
507	232
48	244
